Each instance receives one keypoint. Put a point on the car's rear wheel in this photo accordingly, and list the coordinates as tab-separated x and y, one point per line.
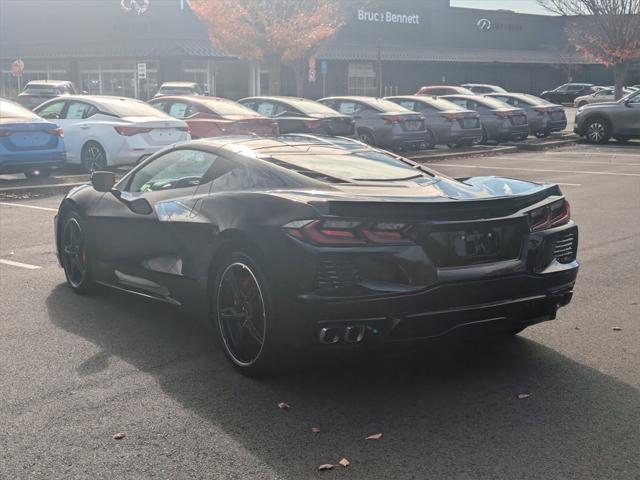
366	136
74	253
430	140
243	314
44	172
93	157
597	131
484	137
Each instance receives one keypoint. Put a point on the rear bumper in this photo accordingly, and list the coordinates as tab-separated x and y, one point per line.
18	163
513	301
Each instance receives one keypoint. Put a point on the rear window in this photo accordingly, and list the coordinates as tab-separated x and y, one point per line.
310	107
440	104
491	102
222	107
176	90
367	165
385	105
131	108
12	110
41	90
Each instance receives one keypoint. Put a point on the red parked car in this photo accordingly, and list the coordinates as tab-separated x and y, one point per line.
213	116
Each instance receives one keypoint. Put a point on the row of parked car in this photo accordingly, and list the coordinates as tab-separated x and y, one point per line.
99	132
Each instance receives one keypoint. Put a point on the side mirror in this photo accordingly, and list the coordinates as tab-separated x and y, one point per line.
103	181
140	206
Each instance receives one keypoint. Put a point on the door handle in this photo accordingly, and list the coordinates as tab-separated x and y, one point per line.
84	127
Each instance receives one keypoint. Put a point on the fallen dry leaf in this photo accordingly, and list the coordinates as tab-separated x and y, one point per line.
119	436
344	462
315	430
376	436
577	328
325	466
523	396
616	329
283	406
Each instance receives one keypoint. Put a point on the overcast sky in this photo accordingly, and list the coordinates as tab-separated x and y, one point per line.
522	6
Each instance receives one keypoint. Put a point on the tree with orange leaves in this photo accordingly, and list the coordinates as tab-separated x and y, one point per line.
275	32
605	30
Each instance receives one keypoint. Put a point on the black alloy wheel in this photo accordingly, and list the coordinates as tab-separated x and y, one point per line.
484	137
365	136
243	312
429	140
93	157
597	131
74	254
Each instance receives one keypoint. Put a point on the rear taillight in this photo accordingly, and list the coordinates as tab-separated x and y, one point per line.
549	216
312	123
130	131
5	133
504	114
391	119
452	117
542	110
345	233
58	132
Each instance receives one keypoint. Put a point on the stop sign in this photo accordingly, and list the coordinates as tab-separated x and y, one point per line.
17	68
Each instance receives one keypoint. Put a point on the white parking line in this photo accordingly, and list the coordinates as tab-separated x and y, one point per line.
542	170
18	264
47	209
606	153
559	160
562	184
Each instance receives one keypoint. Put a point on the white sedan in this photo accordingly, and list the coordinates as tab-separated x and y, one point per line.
606	94
102	131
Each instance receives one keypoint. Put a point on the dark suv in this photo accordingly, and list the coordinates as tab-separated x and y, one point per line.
39	91
601	121
568	92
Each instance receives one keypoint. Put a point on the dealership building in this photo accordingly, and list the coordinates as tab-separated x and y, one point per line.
129	47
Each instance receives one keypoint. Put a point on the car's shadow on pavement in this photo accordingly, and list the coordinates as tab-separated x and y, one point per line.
449	412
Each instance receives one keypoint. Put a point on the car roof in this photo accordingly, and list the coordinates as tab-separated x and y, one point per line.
478	85
352	97
187	98
281	98
178	84
49	82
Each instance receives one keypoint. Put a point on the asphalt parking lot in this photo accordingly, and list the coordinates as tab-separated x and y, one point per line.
76	370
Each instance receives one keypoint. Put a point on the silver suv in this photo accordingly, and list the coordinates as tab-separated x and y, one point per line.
620	120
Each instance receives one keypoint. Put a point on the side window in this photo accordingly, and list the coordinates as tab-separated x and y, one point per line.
52	111
460	102
176	169
182	110
267	108
635	100
80	110
410	104
159	105
349	108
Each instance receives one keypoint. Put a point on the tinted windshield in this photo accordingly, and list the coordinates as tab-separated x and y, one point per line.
369	165
12	110
131	108
310	107
222	107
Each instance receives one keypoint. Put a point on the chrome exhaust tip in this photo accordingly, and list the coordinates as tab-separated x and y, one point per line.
354	333
329	335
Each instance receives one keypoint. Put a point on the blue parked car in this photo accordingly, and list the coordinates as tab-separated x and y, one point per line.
28	143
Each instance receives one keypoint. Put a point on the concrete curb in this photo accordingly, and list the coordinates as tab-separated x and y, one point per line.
537	147
38	190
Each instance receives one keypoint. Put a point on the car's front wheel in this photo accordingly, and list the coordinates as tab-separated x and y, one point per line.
243	314
75	254
365	136
597	131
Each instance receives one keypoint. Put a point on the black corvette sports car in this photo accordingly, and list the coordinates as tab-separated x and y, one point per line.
299	241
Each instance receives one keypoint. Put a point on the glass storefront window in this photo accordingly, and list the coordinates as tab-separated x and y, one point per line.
33	70
118	78
361	79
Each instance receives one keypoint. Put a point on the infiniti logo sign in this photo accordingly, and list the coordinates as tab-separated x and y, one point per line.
484	24
136	6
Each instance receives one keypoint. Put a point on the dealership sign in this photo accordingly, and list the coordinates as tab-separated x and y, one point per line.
388	17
